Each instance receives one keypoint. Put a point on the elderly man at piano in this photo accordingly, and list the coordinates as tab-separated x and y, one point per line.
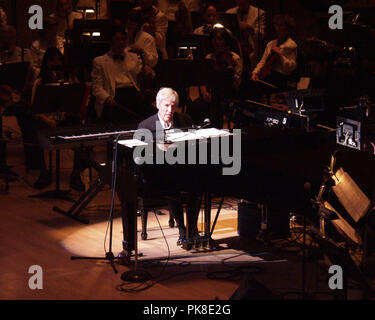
167	101
115	82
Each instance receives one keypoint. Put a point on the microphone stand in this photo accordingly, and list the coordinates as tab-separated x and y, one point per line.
109	255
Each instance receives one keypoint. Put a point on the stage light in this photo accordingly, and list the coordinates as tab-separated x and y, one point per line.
84	11
218	25
91	34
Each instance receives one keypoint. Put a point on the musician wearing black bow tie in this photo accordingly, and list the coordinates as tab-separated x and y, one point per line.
114	82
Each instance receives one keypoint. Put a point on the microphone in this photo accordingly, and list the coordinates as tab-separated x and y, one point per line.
205	124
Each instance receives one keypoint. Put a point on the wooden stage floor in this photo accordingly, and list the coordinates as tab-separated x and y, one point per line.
31	233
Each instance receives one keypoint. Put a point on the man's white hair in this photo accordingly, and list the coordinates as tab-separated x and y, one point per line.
166	94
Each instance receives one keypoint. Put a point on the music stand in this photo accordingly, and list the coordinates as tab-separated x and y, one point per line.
95	30
183	73
57	98
230	21
90	40
200	45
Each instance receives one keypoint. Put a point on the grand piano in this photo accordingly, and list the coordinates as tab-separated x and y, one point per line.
276	163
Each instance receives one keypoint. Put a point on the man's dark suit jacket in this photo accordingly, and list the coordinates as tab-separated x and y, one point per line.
180	120
156	173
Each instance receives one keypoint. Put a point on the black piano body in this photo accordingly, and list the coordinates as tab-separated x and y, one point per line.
275	165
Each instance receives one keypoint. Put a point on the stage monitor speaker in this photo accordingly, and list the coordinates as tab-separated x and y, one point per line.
250	289
278	222
249	219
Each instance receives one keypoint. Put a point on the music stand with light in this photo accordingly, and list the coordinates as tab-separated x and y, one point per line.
230	21
90	40
197	45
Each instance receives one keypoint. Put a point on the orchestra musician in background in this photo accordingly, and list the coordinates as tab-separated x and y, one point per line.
179	23
101	6
65	16
53	71
46	39
3	18
252	24
141	42
16	103
210	19
279	60
227	78
115	82
9	51
155	23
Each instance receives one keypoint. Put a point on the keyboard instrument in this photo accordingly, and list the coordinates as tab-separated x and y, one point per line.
72	137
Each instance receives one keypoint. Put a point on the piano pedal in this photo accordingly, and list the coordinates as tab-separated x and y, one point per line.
187	245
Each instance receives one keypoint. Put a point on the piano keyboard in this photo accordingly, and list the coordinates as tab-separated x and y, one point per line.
99	135
70	137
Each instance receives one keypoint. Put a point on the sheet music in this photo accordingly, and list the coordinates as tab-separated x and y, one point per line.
196	135
173	136
132	143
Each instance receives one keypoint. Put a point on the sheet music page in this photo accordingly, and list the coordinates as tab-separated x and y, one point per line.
212	133
173	136
180	136
196	134
132	143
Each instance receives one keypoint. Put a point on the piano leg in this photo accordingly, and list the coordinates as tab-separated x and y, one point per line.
207	221
127	193
144	218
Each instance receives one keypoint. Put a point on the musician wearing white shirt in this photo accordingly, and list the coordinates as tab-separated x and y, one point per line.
9	51
252	27
169	7
210	18
65	17
155	23
115	84
139	41
280	55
